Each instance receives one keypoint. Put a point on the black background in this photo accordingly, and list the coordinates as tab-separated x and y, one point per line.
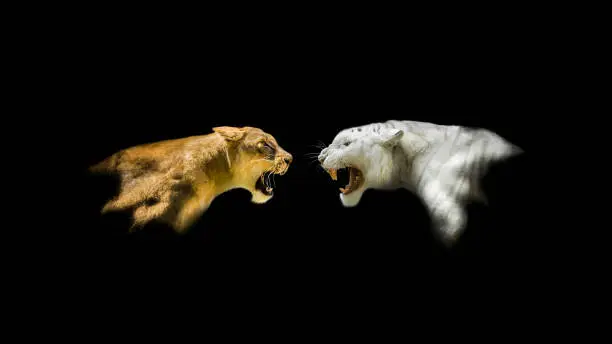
145	81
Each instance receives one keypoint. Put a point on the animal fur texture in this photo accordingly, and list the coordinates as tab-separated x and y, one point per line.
442	165
175	181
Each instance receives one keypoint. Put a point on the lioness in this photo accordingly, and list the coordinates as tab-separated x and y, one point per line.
175	181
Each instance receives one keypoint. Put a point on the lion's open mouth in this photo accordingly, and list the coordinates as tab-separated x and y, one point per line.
264	183
352	174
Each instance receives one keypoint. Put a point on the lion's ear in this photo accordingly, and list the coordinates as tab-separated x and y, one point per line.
230	133
391	137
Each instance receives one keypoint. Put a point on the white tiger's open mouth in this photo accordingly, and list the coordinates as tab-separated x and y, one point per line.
354	175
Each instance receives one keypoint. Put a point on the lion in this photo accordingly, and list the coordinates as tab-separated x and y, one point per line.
175	181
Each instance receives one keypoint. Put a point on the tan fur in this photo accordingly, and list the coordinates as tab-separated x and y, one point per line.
175	181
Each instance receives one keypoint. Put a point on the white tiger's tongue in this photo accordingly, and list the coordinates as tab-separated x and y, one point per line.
354	181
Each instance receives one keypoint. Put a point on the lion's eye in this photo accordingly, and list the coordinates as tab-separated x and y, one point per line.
265	146
347	143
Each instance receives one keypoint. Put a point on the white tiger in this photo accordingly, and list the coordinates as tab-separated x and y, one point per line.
441	164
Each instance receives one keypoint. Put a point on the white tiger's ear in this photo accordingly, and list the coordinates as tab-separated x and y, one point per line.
390	137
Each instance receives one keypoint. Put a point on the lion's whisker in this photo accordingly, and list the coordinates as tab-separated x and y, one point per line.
267	174
272	182
264	178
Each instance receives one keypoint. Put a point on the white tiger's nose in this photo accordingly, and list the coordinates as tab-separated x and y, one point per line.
323	155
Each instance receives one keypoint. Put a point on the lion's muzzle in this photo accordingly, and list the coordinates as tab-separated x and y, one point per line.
284	160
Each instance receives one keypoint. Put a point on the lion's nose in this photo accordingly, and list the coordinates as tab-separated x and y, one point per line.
288	158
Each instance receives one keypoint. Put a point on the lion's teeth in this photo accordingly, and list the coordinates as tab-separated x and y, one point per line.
268	189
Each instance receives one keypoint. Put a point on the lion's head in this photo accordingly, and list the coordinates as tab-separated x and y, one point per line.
256	157
367	153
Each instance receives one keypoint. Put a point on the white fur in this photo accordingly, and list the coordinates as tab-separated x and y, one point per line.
440	164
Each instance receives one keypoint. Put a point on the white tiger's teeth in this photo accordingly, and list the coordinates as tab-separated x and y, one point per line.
333	173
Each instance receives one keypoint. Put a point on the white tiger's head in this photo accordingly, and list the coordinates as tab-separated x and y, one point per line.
367	153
